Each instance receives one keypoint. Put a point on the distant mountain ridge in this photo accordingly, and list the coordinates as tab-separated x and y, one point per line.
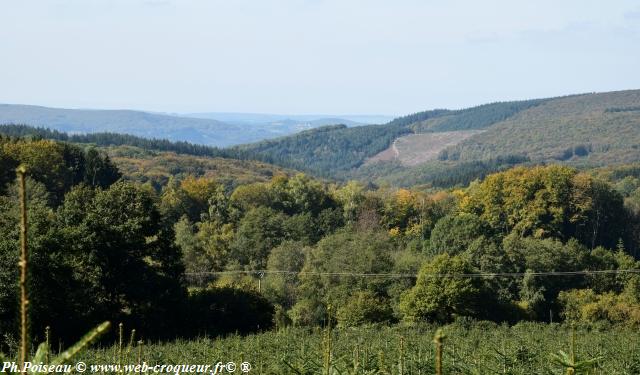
265	118
187	128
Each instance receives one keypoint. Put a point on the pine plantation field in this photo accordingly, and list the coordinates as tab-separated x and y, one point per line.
469	348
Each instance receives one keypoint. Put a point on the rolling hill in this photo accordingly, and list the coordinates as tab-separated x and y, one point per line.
339	151
437	147
446	147
205	129
143	124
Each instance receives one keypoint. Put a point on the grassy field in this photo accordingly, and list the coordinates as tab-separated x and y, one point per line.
478	348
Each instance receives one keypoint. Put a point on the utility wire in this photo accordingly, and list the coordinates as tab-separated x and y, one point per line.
262	273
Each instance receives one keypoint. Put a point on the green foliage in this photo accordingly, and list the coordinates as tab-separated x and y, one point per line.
442	173
335	151
259	231
287	259
549	201
103	139
478	117
578	128
161	169
7	167
122	252
573	366
59	166
538	294
68	355
205	245
136	249
622	109
474	348
344	252
193	197
454	233
326	151
99	171
364	307
50	276
439	294
106	245
584	306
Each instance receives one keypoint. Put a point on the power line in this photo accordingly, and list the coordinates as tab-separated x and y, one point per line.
262	273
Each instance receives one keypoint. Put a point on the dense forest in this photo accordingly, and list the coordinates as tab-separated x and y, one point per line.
196	256
327	151
474	118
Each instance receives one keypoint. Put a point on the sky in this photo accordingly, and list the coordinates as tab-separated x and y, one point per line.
389	57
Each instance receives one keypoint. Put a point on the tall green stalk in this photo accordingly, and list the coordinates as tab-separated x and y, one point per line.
327	346
23	264
438	339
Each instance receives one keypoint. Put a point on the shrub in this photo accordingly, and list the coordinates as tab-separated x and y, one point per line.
364	307
586	306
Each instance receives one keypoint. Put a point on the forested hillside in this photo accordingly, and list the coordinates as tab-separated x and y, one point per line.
594	129
158	168
474	118
327	151
336	151
581	130
199	256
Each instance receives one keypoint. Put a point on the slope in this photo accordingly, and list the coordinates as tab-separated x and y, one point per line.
584	131
415	149
593	129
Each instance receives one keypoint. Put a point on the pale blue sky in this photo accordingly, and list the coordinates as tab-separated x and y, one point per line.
312	56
